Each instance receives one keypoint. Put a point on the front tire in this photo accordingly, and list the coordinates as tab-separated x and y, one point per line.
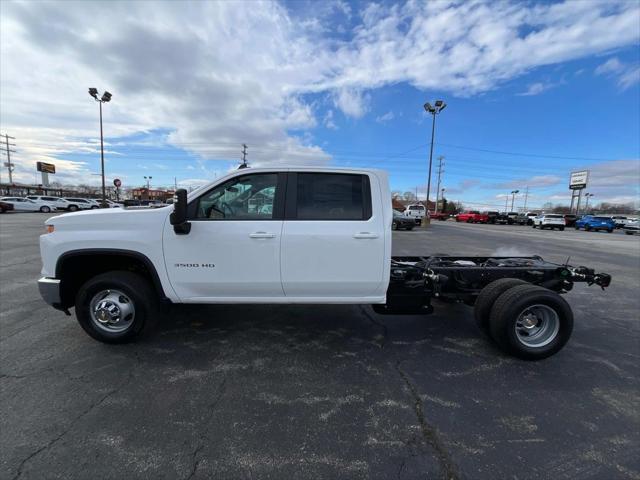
117	307
73	208
45	209
561	229
394	226
531	322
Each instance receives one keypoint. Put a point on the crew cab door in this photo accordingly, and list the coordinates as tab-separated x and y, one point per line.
233	248
333	238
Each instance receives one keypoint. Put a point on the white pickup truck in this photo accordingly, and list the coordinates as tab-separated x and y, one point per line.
287	235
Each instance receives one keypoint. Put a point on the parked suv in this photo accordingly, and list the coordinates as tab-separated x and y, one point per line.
78	204
526	218
619	220
59	203
589	222
549	220
570	219
402	222
632	227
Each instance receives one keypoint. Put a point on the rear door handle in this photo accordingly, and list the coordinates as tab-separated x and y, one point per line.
365	235
262	235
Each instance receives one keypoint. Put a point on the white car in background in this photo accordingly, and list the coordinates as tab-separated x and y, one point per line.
632	226
26	205
78	204
59	203
549	220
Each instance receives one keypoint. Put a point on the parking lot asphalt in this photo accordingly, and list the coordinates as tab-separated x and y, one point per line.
322	391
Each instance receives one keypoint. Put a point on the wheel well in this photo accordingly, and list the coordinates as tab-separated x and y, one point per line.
75	268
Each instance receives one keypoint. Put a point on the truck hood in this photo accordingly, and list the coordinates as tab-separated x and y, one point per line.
111	218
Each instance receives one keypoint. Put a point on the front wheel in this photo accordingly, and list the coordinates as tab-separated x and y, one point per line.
628	232
45	209
533	226
531	322
609	230
116	307
561	229
394	226
73	208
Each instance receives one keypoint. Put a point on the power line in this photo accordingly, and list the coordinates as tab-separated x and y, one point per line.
521	154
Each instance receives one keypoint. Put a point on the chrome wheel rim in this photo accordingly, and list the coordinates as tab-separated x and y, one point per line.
112	311
537	326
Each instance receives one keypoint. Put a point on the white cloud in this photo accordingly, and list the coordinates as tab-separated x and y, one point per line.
626	75
536	89
613	65
352	101
387	117
328	121
219	74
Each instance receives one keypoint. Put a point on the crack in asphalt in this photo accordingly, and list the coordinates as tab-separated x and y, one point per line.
203	436
385	331
429	432
73	423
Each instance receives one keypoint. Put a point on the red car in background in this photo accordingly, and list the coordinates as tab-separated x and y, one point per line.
440	216
5	207
472	217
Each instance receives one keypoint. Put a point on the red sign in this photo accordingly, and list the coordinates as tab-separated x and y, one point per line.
117	183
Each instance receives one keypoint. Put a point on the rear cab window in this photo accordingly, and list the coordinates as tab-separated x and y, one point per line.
328	196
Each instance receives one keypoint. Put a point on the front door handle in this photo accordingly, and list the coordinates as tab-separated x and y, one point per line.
262	235
365	235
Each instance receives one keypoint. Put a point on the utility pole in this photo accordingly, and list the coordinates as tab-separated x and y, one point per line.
526	196
8	152
440	172
244	156
506	203
175	183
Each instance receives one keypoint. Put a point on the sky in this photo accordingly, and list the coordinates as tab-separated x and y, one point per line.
533	92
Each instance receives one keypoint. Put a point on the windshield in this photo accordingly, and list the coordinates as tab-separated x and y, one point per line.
416	207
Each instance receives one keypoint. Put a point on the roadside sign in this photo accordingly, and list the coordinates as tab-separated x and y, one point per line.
117	183
578	180
45	167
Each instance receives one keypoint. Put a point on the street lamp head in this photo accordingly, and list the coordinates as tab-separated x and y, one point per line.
94	93
442	106
428	107
439	103
106	96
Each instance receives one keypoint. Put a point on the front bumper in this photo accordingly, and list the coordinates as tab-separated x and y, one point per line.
50	291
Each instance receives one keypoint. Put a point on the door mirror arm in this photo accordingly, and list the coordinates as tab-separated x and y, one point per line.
179	216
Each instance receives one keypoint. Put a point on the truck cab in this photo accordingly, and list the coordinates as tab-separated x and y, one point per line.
253	236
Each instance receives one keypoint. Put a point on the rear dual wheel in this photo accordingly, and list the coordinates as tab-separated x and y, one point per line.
526	321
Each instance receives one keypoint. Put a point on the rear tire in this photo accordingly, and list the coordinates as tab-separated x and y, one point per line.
131	290
45	209
531	322
488	296
73	208
610	230
394	226
561	229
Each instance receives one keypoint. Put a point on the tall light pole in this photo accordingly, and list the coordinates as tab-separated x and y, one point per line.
148	179
433	110
106	96
586	206
513	197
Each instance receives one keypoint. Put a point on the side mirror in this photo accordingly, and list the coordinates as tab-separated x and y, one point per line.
179	216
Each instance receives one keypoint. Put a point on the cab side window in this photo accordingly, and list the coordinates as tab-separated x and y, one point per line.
332	196
249	197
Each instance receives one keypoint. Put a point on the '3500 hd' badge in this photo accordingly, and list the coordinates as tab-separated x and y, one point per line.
194	265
